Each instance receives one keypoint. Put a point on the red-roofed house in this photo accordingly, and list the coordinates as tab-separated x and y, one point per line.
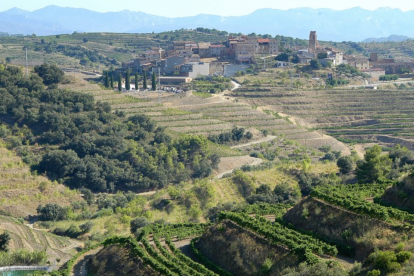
267	46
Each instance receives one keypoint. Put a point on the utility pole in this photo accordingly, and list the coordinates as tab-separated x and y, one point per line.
27	65
159	84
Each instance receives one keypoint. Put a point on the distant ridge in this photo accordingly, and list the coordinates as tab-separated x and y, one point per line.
391	38
354	24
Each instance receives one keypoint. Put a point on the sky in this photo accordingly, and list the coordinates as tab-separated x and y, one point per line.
178	8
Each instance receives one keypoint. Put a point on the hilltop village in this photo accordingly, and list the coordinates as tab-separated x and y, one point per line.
184	61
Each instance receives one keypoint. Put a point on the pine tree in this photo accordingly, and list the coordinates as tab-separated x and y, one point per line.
153	82
127	81
106	80
120	83
112	80
145	80
136	81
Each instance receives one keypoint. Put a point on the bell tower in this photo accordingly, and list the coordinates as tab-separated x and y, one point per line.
313	42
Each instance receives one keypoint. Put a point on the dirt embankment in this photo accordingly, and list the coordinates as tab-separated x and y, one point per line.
357	234
242	252
115	260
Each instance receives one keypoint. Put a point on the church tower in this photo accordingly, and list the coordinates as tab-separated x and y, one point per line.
313	42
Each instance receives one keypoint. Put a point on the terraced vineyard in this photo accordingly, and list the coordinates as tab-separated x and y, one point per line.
185	113
22	236
349	115
156	248
352	200
156	245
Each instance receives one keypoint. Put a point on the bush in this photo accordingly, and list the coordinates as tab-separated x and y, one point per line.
374	272
23	257
51	212
345	164
391	77
243	182
403	256
388	260
138	223
86	227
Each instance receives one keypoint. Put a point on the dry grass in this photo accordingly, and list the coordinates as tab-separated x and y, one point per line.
21	191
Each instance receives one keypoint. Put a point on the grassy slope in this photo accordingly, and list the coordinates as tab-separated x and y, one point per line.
21	191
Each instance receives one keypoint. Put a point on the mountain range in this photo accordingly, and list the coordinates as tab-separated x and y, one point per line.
354	24
391	38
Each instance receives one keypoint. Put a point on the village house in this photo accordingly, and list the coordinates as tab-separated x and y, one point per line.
204	49
217	50
195	69
359	63
171	65
389	65
267	46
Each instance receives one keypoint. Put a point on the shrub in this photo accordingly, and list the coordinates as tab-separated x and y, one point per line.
86	227
403	256
345	164
243	182
374	272
50	212
138	223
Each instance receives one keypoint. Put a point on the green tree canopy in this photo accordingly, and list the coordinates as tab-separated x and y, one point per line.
127	81
50	74
153	82
345	164
315	64
4	241
144	84
374	166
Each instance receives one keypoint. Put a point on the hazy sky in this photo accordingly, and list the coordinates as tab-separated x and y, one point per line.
177	8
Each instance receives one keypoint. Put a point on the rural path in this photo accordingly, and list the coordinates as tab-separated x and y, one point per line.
229	164
379	83
264	139
79	267
147	193
185	247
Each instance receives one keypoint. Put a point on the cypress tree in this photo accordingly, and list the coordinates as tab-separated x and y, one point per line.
112	80
127	81
106	80
136	81
145	80
153	83
120	83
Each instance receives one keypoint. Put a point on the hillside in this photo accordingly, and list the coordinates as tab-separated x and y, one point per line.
243	252
348	115
22	191
58	249
240	182
116	260
391	38
356	235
